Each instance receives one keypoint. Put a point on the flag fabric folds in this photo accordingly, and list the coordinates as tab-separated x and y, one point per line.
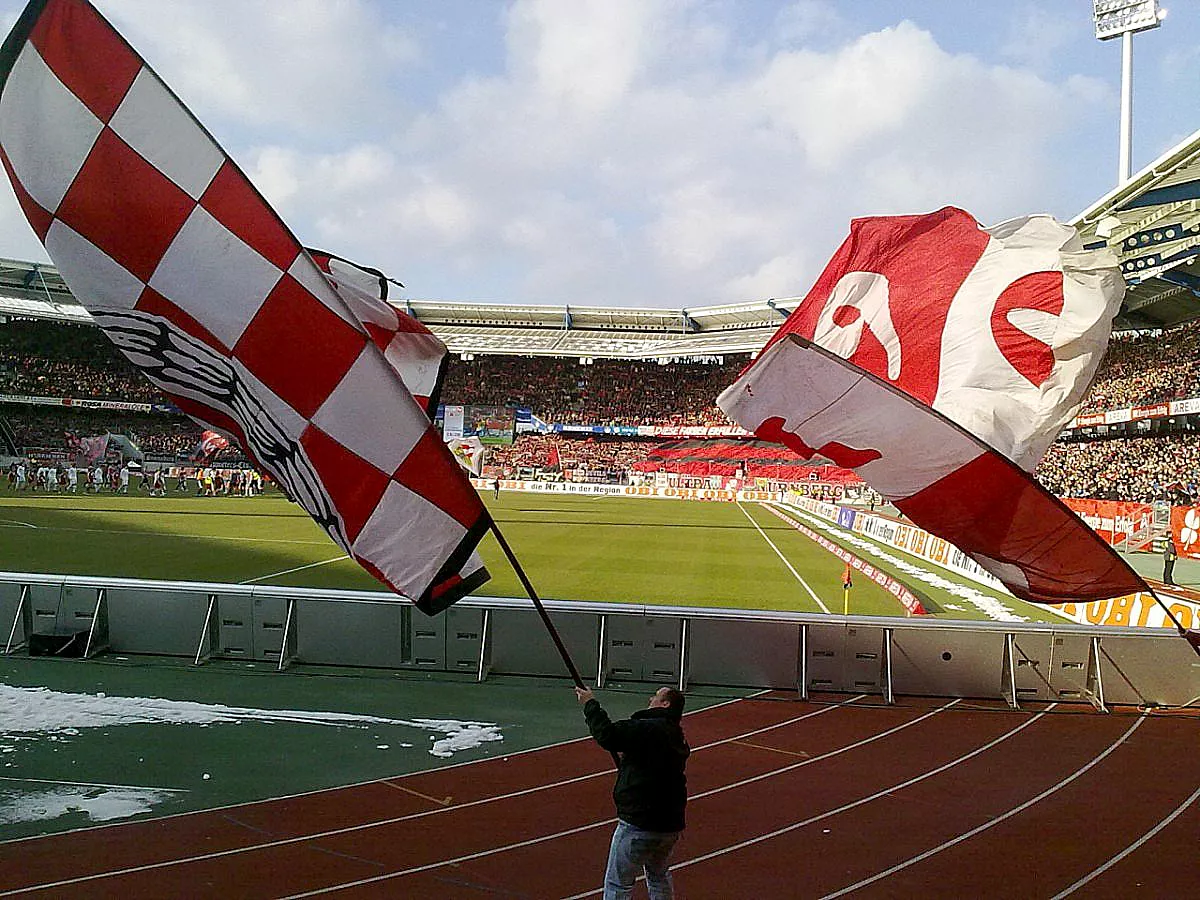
415	352
470	453
1001	329
200	284
938	360
938	474
210	444
88	450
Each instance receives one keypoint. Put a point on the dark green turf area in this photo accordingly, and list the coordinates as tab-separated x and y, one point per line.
575	548
256	760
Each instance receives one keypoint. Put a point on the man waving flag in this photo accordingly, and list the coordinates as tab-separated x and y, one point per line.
939	359
199	283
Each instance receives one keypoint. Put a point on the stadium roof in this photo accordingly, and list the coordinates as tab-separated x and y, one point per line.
36	290
1152	221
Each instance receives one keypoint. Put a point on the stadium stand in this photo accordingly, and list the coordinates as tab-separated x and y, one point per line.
1142	368
1144	469
604	392
63	362
56	360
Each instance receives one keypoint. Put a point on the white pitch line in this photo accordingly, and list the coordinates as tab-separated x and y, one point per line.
93	784
323	562
14	522
791	569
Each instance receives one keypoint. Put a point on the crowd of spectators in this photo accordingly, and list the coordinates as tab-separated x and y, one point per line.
553	453
151	433
1144	368
50	359
603	392
1142	469
57	360
61	360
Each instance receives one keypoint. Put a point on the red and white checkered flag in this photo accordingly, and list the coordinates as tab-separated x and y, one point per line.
199	283
416	353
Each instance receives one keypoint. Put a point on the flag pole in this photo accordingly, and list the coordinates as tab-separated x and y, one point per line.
554	636
1192	637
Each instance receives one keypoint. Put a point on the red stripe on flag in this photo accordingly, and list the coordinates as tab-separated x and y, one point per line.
353	484
297	347
925	259
407	323
125	206
101	76
214	418
38	217
151	301
380	335
235	204
425	471
989	507
377	573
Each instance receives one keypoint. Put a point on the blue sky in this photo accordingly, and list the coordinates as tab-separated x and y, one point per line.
663	153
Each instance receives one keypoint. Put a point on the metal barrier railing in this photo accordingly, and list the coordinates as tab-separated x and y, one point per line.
679	645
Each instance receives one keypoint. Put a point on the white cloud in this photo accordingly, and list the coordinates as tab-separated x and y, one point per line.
264	65
616	151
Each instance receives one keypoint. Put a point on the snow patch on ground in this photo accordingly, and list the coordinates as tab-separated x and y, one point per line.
459	735
26	712
99	804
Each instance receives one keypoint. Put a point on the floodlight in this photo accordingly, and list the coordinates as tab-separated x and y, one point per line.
1114	18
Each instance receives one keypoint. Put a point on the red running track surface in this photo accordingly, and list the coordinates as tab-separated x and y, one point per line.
841	797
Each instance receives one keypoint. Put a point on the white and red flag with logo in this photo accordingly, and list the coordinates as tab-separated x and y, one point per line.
210	444
201	285
938	359
415	352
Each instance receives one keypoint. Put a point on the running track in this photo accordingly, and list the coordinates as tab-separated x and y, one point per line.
846	797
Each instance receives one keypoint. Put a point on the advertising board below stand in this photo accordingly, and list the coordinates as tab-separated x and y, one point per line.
643	492
1136	610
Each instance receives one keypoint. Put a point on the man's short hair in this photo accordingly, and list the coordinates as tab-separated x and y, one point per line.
674	700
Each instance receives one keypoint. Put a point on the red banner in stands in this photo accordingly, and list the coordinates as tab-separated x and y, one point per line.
1117	522
1185	530
1149	412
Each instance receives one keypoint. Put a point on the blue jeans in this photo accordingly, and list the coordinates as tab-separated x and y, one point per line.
634	851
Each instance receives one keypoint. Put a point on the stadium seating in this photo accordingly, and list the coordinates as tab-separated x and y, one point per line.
55	360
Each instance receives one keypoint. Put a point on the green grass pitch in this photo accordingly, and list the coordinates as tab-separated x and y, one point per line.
573	548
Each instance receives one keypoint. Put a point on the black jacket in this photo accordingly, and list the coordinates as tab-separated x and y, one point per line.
651	788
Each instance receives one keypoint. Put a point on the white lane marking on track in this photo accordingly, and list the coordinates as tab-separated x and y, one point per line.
848	806
121	787
397	819
1149	835
791	568
549	837
323	562
995	821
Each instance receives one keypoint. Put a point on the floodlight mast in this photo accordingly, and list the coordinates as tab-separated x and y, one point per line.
1121	18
